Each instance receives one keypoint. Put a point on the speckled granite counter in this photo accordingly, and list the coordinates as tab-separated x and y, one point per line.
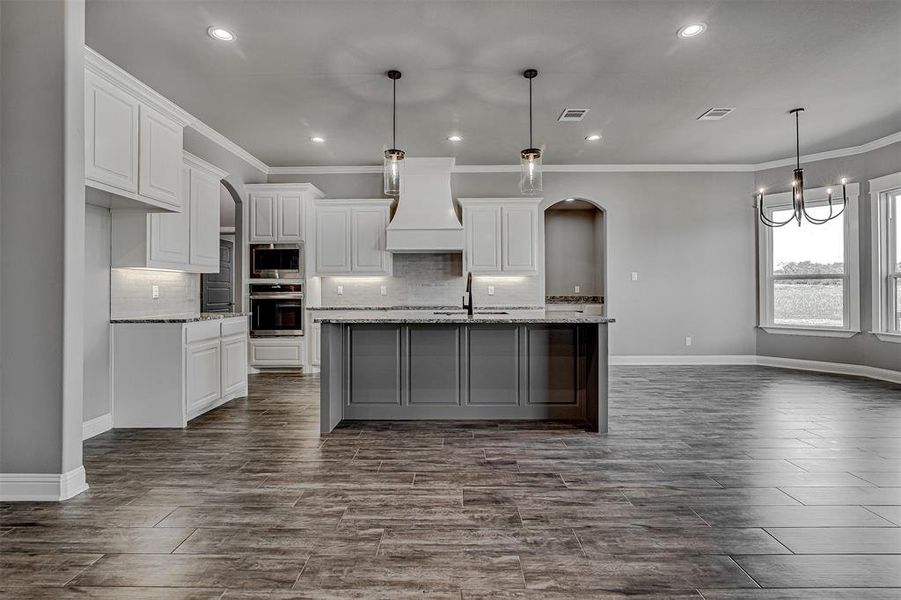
416	307
180	318
457	316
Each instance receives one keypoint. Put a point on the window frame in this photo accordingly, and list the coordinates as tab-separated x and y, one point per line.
851	302
883	247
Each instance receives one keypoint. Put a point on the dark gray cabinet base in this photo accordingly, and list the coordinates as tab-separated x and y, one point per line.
397	371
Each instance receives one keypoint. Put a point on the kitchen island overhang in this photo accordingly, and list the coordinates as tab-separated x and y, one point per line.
418	365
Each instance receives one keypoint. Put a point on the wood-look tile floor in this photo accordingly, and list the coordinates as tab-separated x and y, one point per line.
716	483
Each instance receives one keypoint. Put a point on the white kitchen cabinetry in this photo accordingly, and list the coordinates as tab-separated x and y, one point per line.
502	235
278	352
165	374
185	241
278	212
133	141
350	237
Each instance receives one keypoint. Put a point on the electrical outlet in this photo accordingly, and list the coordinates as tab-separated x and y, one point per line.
688	340
383	290
490	290
155	292
577	289
340	290
634	275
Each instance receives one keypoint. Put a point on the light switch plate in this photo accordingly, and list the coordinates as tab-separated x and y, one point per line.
577	289
383	290
688	341
634	275
490	290
340	290
155	292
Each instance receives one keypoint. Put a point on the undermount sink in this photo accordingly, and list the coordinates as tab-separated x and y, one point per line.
463	312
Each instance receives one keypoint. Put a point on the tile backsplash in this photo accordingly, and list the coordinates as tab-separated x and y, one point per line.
430	280
131	293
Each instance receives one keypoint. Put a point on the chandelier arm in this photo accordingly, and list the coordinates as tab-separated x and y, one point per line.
770	222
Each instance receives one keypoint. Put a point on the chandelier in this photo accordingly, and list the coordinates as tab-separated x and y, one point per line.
799	209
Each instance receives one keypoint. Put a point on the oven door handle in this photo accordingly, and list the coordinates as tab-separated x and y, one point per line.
276	296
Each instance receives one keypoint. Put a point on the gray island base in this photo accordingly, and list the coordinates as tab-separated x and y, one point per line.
415	365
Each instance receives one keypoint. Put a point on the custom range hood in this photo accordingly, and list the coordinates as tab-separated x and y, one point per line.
425	219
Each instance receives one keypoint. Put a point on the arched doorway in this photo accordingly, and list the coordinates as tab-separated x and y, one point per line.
575	254
221	292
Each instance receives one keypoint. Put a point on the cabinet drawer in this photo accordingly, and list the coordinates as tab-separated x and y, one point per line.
234	326
202	330
275	352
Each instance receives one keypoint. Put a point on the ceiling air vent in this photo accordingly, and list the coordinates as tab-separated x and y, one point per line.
715	114
573	114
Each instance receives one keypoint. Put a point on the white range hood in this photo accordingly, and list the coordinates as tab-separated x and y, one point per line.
425	219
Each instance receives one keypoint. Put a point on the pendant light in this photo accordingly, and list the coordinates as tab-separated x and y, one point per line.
799	209
530	158
394	158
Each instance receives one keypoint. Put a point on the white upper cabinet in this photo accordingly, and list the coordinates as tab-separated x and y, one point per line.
333	239
290	217
278	211
111	135
133	141
186	241
204	210
502	235
160	157
351	236
263	217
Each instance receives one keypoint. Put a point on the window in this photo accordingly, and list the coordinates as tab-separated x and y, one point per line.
886	197
808	275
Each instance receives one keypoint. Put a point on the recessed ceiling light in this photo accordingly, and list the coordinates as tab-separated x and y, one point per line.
317	139
455	138
221	34
692	30
593	137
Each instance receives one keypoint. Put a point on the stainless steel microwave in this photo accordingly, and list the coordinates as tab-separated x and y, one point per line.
276	261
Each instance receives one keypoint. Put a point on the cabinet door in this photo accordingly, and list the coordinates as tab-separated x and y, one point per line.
111	135
316	340
170	232
290	217
333	245
160	158
520	239
203	370
263	218
204	212
234	365
483	238
368	240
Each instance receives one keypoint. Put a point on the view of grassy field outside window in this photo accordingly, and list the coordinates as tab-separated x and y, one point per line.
808	271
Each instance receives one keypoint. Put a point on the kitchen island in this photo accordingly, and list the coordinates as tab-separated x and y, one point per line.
444	364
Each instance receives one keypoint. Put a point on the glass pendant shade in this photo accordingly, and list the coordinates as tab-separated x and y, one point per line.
393	167
530	173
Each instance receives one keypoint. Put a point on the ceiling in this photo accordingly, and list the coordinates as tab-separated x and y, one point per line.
305	68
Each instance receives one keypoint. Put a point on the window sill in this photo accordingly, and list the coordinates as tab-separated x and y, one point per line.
816	332
888	337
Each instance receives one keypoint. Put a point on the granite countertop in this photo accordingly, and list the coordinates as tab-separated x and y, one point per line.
417	307
459	316
574	299
180	318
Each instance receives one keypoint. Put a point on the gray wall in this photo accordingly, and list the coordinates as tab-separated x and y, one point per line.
96	312
41	235
573	254
690	237
864	348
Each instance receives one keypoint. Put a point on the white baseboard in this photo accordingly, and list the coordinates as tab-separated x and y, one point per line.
830	367
685	359
42	487
764	361
96	426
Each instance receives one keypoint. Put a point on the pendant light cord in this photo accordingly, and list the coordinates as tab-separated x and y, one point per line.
530	113
394	113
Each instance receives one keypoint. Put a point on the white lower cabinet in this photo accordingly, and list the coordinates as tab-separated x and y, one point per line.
165	374
275	352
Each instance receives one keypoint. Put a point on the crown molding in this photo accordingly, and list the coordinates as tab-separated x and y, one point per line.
838	153
198	163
